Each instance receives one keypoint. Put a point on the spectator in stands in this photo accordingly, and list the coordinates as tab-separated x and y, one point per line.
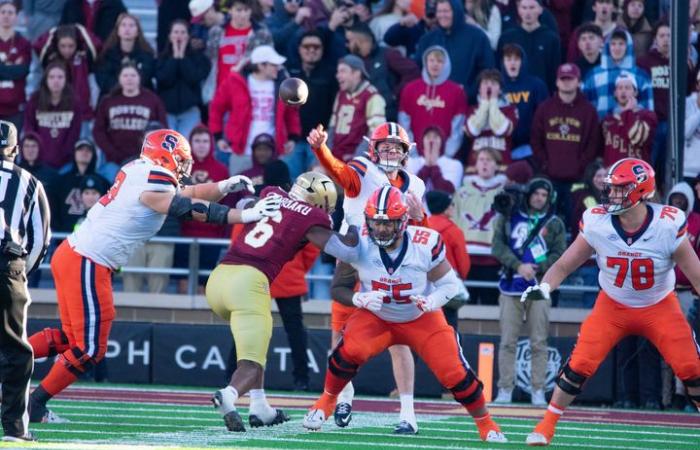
206	32
438	170
691	153
77	48
563	13
30	160
539	43
65	201
491	122
565	136
485	15
92	187
527	242
122	118
590	46
286	21
391	14
168	12
358	108
469	48
629	130
633	20
253	107
263	152
41	16
511	19
234	41
436	100
524	91
126	43
15	58
475	217
408	31
618	56
314	67
441	215
604	10
180	71
99	18
388	70
52	113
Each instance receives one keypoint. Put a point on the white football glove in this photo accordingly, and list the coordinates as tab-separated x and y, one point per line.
372	300
266	207
425	303
236	183
543	289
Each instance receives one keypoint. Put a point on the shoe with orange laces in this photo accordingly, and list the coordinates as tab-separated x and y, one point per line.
319	412
489	431
541	436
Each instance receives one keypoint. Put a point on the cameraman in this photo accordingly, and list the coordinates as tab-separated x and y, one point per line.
526	241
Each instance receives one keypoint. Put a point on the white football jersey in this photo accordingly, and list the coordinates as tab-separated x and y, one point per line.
119	222
372	179
635	269
400	274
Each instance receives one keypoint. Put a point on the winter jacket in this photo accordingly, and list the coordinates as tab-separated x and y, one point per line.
180	80
14	69
585	67
107	69
526	92
41	171
565	137
65	200
291	281
105	18
691	154
658	68
408	37
628	134
59	131
641	34
440	102
282	26
542	48
233	97
599	84
693	220
469	49
455	245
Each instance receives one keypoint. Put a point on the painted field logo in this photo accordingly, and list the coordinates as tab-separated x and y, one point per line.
523	356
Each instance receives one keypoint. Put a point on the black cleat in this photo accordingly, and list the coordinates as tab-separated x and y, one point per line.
232	419
37	410
404	428
343	414
27	437
280	417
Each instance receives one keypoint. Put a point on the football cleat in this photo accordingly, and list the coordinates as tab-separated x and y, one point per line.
39	413
342	414
27	437
497	437
280	417
536	439
404	428
232	419
313	420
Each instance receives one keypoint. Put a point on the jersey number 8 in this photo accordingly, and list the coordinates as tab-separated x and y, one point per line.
262	232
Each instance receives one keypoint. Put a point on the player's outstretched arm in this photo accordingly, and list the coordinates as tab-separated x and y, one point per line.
343	284
215	191
342	246
687	260
341	172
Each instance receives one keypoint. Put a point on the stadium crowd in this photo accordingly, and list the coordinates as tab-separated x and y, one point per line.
517	108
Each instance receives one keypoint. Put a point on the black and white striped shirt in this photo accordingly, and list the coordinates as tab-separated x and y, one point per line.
24	212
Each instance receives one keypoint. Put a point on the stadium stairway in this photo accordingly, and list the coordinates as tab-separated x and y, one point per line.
147	12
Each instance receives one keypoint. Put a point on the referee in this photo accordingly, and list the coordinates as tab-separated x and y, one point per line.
24	217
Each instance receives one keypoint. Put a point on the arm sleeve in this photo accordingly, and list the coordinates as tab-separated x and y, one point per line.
348	176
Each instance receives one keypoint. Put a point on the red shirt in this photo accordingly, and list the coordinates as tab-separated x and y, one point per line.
231	49
455	245
629	134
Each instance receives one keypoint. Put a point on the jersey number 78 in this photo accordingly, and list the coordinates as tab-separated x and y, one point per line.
642	271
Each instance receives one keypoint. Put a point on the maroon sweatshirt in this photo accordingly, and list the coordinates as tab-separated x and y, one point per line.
565	137
15	57
628	134
59	131
120	123
659	69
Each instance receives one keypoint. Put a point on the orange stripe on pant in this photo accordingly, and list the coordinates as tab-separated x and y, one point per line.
663	324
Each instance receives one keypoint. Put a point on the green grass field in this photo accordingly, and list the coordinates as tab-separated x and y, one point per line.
133	425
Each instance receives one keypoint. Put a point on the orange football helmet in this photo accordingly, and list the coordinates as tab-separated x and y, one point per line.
386	206
389	132
170	150
628	182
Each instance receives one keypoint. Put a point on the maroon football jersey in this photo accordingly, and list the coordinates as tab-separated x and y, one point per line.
268	244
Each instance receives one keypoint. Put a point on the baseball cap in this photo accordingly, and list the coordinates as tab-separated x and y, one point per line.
355	63
8	134
93	181
198	8
84	143
266	54
569	70
263	139
626	77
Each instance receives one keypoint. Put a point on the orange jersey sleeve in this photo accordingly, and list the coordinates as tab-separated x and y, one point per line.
342	173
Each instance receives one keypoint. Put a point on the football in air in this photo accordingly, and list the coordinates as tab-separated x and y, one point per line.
294	91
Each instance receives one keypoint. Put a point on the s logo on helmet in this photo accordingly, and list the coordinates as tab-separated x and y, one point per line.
641	174
169	142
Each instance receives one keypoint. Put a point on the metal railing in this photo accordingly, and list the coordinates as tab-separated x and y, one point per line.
193	272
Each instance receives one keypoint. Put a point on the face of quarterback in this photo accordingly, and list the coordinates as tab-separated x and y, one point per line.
391	154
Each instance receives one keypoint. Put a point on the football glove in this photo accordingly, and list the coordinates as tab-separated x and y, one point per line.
537	292
425	303
266	207
372	300
236	183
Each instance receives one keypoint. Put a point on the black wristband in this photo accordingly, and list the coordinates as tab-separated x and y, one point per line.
218	213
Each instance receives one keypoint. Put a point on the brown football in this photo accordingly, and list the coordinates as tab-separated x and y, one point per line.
294	91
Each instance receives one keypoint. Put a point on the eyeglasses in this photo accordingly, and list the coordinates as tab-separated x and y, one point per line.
311	46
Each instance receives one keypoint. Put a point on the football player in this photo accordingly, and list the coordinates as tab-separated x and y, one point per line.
636	244
144	192
397	266
238	290
384	165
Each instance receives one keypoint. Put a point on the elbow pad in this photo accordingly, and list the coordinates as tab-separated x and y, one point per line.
336	248
181	207
446	288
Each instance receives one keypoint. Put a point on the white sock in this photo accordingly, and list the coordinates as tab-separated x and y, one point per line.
407	412
229	395
346	394
259	405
